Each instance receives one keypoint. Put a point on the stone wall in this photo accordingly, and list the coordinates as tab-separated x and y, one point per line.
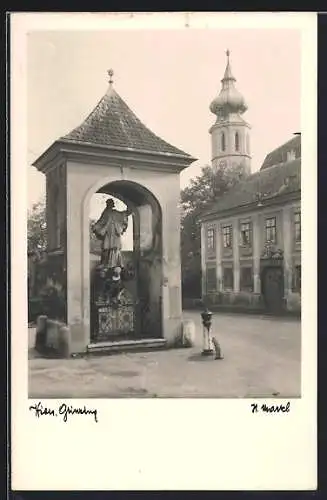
237	299
241	302
293	302
82	183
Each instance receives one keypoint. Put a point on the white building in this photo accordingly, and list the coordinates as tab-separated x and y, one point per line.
251	237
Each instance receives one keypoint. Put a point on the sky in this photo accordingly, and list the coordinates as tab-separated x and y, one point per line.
168	78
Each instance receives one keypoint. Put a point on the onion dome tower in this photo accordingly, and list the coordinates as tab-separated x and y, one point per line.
230	135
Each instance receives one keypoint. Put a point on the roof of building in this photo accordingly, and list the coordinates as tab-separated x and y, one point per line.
280	154
112	123
264	185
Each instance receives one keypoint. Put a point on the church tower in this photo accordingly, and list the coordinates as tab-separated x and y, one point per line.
230	135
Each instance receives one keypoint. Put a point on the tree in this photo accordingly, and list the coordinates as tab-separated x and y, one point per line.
36	228
195	198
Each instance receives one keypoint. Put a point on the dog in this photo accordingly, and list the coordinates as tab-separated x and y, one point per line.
218	353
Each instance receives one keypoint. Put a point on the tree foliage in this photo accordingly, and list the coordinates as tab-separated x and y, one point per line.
199	195
36	228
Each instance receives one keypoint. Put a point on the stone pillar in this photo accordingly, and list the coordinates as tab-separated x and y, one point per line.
256	243
287	239
219	269
236	255
78	316
203	260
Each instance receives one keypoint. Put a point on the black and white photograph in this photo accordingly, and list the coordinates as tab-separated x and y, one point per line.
165	235
124	258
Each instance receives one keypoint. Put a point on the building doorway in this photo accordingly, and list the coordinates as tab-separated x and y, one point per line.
273	288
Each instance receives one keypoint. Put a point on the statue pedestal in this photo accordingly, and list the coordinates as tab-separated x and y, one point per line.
114	308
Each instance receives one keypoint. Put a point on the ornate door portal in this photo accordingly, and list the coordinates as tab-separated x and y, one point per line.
273	289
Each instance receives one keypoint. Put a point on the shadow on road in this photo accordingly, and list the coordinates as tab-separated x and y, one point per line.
125	373
200	357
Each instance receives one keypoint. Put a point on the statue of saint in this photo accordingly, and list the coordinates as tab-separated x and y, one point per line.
109	229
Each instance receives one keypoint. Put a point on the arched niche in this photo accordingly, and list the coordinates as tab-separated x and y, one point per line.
145	260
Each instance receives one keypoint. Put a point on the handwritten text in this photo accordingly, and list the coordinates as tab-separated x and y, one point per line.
282	408
62	410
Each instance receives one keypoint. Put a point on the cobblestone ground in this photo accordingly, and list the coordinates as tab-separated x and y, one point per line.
262	358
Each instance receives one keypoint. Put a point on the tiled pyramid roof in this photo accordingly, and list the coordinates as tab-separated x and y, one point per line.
113	123
269	183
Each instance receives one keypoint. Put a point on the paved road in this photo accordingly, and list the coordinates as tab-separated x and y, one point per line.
262	358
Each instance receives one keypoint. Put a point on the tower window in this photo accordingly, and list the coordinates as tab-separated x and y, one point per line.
223	142
237	141
248	143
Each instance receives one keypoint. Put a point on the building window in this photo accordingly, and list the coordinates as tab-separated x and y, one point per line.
297	279
223	142
297	226
290	155
211	279
246	279
246	234
237	141
227	235
210	238
271	235
228	278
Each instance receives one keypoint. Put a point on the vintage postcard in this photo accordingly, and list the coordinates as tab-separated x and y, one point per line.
163	246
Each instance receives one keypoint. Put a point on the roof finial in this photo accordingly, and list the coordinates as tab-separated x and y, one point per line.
111	74
227	53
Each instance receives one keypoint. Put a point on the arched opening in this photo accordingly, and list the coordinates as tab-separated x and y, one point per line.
237	141
125	299
248	144
97	206
223	141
